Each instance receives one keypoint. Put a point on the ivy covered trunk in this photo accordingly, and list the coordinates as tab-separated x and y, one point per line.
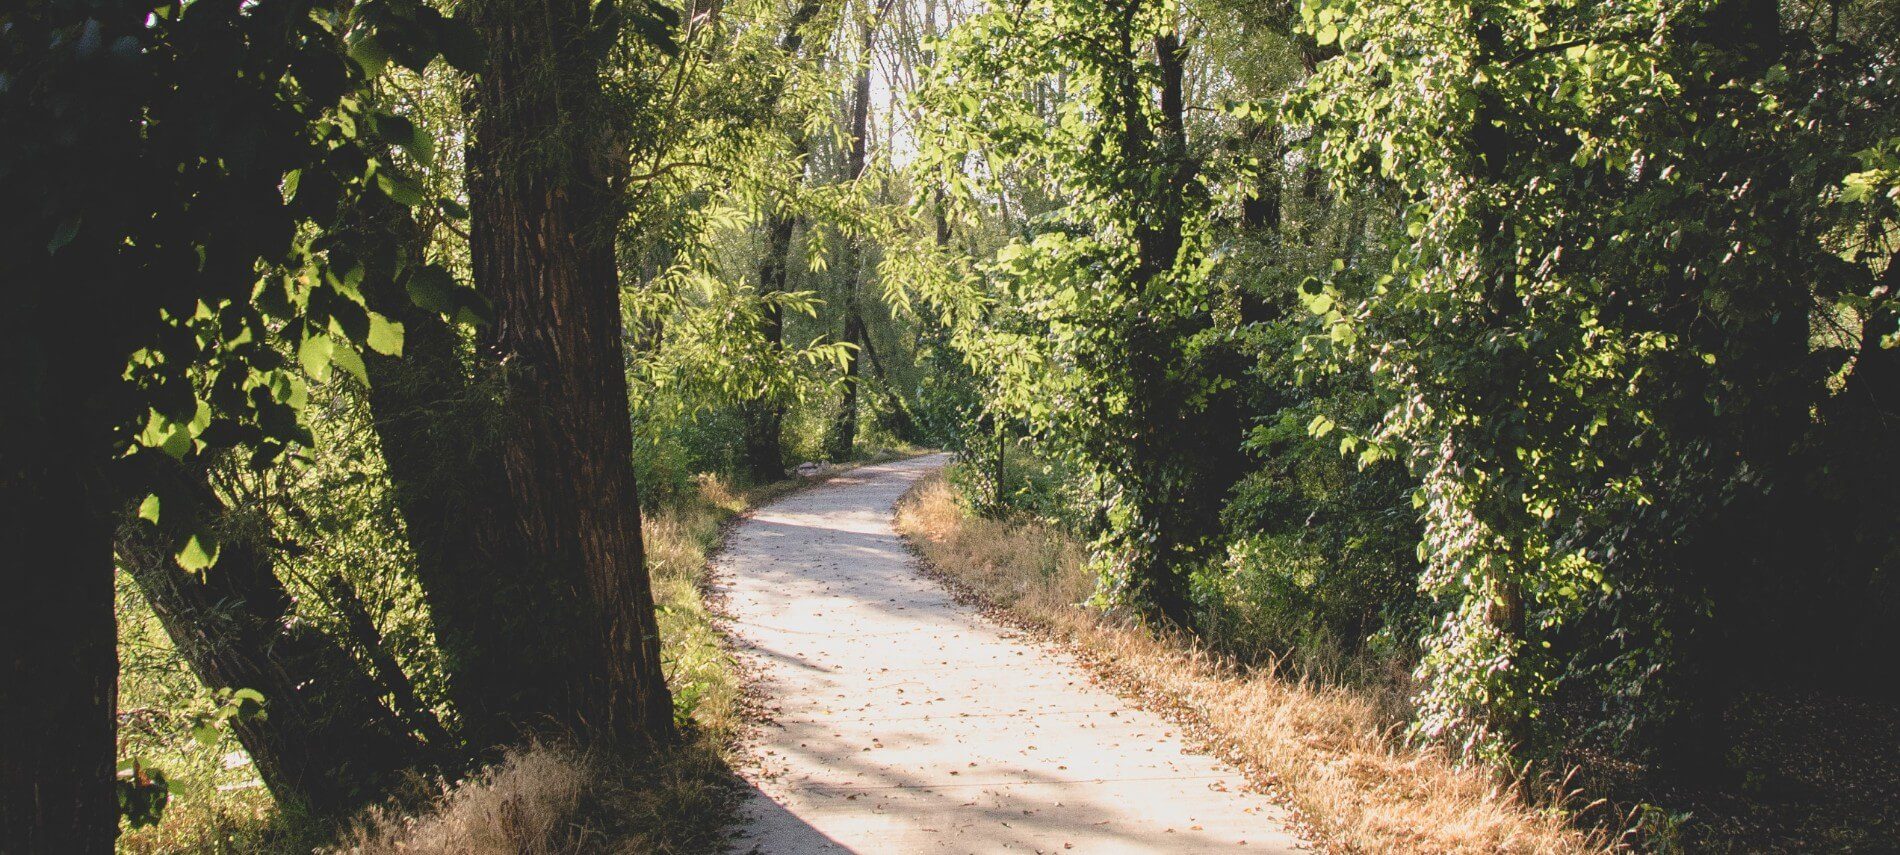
764	417
324	742
841	439
1178	467
585	648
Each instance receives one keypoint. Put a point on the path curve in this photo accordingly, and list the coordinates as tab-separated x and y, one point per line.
904	722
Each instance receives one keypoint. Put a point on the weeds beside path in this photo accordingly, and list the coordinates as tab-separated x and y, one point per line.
1330	751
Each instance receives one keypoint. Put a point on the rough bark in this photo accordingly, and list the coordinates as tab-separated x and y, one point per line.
541	172
325	742
58	692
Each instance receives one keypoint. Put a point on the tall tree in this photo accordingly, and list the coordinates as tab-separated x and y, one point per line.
138	320
543	164
764	417
437	424
842	436
1597	327
1103	338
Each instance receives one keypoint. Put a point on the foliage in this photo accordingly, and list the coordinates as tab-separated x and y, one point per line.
1596	321
1095	329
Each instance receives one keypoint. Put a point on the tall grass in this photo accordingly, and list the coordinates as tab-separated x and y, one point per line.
1329	747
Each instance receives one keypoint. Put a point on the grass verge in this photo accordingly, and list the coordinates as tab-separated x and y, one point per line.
553	799
543	798
1330	751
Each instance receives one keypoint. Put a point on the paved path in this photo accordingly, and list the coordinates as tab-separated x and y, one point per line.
904	722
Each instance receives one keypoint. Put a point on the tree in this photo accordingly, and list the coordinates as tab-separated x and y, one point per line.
141	323
1099	340
582	653
842	435
765	417
1598	326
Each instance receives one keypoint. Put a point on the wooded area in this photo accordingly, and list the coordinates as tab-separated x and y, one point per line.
1536	361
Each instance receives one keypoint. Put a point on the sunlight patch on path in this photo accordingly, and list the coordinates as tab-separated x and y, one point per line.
904	722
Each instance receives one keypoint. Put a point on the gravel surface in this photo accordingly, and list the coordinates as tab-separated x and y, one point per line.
900	721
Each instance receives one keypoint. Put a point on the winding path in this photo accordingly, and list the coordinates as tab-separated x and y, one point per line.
903	722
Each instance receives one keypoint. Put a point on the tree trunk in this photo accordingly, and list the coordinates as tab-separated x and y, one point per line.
541	171
58	689
438	430
764	417
1159	412
842	439
325	741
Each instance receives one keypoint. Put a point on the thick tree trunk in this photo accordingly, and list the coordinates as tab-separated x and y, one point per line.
325	741
58	689
72	316
1156	578
541	168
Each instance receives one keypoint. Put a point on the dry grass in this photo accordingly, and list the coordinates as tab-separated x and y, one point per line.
554	800
546	799
531	802
550	798
1330	750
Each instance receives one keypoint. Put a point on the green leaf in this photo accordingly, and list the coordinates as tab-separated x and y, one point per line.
399	187
314	356
370	54
400	131
199	553
149	509
432	288
385	336
346	358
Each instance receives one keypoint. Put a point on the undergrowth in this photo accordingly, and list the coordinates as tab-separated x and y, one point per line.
541	798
